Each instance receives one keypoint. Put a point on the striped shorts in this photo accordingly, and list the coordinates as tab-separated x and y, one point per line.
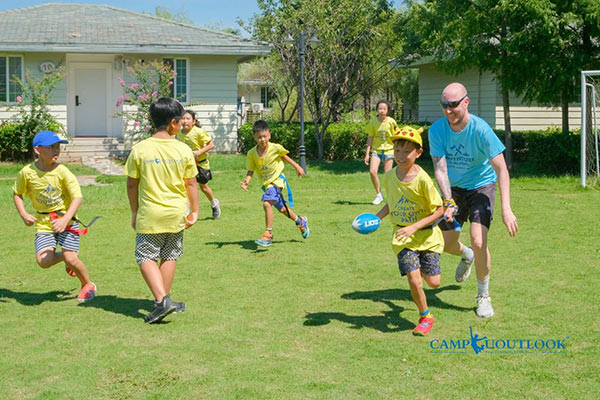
154	246
67	240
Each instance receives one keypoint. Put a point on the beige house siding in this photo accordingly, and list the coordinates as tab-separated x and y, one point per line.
481	89
534	117
486	101
212	91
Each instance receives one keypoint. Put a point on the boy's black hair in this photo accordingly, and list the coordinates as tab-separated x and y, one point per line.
163	111
259	126
415	144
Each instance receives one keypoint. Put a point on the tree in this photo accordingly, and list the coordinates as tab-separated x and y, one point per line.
165	13
505	37
572	45
343	63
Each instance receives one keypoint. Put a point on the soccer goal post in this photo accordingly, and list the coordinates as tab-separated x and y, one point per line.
590	126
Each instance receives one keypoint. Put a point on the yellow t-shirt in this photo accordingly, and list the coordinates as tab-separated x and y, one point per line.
410	202
382	132
161	165
197	139
48	190
269	166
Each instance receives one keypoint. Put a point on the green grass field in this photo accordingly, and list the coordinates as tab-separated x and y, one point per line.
324	318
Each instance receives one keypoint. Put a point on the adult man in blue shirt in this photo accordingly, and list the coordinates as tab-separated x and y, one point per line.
468	160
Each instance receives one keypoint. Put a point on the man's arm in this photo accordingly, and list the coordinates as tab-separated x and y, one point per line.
508	217
441	176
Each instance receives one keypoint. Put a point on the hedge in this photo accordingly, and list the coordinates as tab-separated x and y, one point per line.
549	151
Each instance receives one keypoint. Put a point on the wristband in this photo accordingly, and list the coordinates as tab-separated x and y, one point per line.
449	203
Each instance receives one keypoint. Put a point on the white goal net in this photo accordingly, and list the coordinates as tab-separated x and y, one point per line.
590	128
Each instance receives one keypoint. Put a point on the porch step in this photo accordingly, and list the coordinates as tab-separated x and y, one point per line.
78	148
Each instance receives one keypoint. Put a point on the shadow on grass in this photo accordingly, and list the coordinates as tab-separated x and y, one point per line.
120	305
352	203
390	321
248	244
35	299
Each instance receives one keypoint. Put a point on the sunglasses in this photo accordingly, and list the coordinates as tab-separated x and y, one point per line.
452	104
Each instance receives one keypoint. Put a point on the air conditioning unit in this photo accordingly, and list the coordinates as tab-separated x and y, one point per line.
257	107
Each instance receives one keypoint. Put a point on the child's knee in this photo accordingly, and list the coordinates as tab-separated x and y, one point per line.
45	259
433	281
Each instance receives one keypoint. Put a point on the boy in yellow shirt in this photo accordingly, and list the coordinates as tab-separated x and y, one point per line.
55	195
266	159
161	178
414	204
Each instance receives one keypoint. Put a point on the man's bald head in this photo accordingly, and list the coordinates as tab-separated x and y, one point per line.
454	91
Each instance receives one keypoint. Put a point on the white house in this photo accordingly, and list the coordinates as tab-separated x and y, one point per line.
95	42
486	100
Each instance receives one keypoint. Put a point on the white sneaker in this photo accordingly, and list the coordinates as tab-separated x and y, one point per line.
378	199
463	269
484	307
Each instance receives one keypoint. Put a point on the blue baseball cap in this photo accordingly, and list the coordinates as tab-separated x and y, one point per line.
47	138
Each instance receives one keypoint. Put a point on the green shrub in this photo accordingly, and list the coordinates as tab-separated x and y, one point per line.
549	151
16	139
342	141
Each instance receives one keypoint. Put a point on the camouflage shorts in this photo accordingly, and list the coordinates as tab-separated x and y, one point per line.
427	261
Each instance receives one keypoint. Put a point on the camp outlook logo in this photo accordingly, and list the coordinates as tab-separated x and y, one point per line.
478	344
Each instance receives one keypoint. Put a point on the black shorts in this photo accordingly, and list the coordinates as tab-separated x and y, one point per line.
476	205
203	176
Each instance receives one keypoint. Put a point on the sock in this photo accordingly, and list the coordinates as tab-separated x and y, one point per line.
483	287
299	220
270	230
426	313
213	202
467	254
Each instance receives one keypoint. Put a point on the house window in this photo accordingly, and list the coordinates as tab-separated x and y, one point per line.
10	67
266	95
179	89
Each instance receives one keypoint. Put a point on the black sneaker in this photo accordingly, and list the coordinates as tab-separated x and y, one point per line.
216	209
179	307
161	309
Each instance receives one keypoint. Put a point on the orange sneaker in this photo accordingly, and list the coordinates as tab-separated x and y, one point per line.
424	326
265	240
70	271
88	292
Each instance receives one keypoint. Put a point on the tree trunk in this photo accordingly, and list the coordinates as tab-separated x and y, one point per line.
367	106
507	129
565	114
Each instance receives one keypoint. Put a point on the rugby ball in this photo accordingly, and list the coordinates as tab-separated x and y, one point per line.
366	223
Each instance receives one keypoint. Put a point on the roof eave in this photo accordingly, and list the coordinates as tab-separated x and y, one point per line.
245	51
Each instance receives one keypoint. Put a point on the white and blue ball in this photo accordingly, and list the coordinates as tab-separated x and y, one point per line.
366	223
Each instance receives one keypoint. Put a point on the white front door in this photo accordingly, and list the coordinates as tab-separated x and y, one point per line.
90	95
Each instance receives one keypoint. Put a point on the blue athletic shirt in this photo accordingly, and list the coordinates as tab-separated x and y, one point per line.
467	152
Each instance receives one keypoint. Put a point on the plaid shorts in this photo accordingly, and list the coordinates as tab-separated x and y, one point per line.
155	246
427	261
67	240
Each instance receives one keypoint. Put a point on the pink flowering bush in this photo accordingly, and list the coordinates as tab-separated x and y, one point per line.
151	80
31	114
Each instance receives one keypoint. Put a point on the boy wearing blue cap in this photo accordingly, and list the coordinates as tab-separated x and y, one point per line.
55	195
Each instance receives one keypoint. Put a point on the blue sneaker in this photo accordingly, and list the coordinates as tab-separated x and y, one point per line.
304	227
265	240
